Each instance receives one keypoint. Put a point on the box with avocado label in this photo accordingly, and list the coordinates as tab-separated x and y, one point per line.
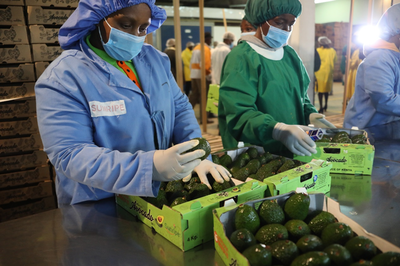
224	227
343	151
189	224
279	173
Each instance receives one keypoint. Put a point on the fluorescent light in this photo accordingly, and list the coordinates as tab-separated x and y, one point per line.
367	35
322	1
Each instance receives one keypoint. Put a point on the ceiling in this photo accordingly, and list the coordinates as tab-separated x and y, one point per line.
239	4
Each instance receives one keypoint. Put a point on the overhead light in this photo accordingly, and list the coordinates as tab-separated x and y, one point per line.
367	35
322	1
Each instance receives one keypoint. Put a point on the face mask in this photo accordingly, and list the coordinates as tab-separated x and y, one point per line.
248	33
231	45
122	46
276	38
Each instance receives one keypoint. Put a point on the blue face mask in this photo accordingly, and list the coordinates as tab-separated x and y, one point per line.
122	46
276	38
231	45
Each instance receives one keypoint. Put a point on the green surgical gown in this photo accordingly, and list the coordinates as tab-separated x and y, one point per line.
256	93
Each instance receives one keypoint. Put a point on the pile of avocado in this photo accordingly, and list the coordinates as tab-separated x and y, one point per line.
344	137
177	192
255	165
291	236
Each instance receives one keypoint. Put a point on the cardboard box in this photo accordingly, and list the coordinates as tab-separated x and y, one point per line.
18	109
13	35
43	52
52	3
20	127
19	73
41	190
345	158
189	224
40	68
41	34
22	162
16	54
39	174
39	15
224	226
15	92
13	2
27	208
351	190
18	145
212	99
12	15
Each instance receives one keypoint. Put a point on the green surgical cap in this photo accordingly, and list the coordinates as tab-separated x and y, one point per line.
259	11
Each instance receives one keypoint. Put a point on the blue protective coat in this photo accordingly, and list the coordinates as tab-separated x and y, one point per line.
376	98
96	154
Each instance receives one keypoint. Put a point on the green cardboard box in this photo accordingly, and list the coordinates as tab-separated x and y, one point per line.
212	99
351	190
345	158
224	226
189	224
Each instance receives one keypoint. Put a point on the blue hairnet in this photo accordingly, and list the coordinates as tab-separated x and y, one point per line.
90	12
259	11
389	24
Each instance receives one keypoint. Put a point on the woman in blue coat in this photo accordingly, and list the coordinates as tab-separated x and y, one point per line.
111	116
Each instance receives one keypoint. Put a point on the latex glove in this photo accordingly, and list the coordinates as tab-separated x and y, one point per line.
217	171
318	120
294	138
171	164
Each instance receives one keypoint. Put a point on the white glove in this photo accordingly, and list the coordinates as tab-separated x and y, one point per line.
171	164
215	170
318	120
294	138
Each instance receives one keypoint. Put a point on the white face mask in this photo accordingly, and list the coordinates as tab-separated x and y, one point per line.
248	33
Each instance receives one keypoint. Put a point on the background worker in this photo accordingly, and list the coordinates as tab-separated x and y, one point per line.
324	75
170	51
111	116
219	54
186	56
263	94
376	98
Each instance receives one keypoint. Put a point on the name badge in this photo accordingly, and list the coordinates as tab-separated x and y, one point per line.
113	108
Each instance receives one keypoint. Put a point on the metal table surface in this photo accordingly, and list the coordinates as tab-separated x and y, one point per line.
101	233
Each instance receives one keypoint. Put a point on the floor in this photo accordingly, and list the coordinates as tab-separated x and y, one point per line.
333	113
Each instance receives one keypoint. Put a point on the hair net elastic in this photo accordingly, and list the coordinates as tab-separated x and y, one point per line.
389	23
259	11
323	40
90	12
228	36
170	42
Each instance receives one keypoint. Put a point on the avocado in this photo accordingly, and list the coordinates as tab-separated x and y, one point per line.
241	160
339	255
269	169
324	138
296	206
175	189
312	258
320	221
198	191
215	159
336	233
287	165
217	187
247	217
241	174
253	166
309	243
225	160
161	199
178	201
271	212
297	229
234	169
363	263
258	255
270	233
387	259
361	247
194	180
340	135
284	252
265	158
242	239
204	145
359	139
253	152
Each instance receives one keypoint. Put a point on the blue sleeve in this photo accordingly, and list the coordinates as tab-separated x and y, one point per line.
66	130
379	77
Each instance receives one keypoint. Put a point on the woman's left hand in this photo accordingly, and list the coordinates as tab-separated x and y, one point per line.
219	172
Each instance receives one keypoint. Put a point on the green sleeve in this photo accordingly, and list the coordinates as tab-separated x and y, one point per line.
238	114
